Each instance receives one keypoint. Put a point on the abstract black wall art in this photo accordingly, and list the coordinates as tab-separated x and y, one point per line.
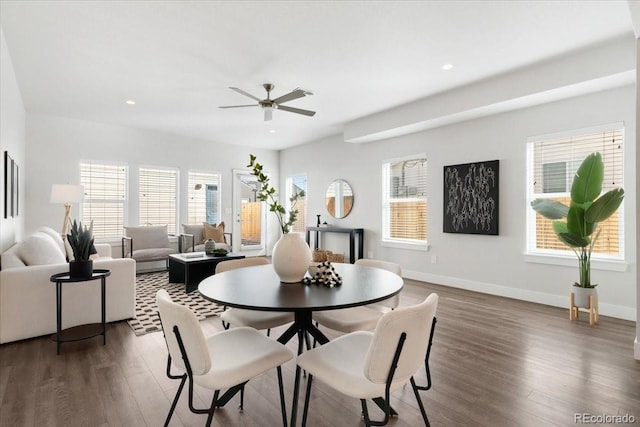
471	198
10	186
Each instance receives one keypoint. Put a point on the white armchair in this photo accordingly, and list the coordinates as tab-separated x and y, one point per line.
193	237
364	318
227	359
147	243
371	365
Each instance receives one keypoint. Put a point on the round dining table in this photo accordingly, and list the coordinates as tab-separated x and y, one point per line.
259	288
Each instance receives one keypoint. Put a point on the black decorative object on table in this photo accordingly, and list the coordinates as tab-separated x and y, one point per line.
318	222
326	276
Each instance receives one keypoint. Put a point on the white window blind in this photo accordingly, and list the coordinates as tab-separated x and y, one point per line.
553	162
158	190
204	198
295	184
105	187
404	207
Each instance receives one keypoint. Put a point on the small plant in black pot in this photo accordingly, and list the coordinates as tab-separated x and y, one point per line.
81	241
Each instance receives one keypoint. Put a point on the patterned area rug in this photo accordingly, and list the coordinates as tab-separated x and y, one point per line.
147	284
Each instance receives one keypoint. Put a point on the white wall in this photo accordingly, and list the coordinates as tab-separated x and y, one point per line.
56	145
12	139
492	264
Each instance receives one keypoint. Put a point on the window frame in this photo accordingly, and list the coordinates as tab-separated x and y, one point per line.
124	201
218	177
411	244
566	257
302	216
176	215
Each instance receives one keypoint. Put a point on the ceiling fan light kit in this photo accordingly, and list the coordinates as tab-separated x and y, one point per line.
268	104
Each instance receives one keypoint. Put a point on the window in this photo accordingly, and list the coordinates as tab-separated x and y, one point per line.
105	188
158	191
552	163
295	184
204	198
404	205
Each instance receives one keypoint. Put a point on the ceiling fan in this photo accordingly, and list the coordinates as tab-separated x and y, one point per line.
268	104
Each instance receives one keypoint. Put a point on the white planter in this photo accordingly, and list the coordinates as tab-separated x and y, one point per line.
291	257
581	296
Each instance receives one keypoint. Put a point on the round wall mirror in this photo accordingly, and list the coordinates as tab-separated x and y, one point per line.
339	198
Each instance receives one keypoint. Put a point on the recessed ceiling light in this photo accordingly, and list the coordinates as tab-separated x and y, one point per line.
447	67
272	131
130	102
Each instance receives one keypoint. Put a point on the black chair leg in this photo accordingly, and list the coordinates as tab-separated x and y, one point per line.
365	413
422	411
213	408
241	408
307	397
175	400
283	406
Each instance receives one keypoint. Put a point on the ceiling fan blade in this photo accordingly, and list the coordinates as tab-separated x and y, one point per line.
238	106
268	112
298	93
296	110
245	93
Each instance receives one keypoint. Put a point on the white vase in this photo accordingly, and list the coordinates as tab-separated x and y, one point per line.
581	296
291	257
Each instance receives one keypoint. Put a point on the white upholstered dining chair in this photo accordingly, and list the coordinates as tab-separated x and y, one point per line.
225	360
364	318
371	365
252	318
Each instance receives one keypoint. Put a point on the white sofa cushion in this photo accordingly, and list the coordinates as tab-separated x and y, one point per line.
145	237
55	236
11	258
40	249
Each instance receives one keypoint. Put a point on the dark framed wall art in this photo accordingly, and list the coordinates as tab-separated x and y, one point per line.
11	201
471	198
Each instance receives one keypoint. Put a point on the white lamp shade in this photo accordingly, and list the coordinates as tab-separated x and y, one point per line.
66	193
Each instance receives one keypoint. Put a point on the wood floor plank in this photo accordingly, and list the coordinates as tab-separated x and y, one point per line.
495	362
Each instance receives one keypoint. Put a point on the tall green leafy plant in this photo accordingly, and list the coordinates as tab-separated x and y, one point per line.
81	240
268	194
579	229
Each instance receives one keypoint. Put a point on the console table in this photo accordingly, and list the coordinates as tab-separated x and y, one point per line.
352	232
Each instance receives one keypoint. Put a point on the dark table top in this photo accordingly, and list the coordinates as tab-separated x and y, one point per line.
196	257
259	288
66	278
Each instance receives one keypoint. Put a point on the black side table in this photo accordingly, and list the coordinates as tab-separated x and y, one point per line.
79	332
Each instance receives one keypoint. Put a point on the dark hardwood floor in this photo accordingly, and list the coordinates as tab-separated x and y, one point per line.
495	362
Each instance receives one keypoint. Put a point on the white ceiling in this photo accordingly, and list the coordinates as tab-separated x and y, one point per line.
176	59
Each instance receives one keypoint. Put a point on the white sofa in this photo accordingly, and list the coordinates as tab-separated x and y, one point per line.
28	297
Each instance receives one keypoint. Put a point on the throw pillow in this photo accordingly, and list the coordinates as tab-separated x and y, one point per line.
40	249
214	232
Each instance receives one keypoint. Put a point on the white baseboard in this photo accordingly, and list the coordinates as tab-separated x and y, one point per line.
617	311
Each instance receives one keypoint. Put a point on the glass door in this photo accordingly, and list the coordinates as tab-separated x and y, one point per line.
249	212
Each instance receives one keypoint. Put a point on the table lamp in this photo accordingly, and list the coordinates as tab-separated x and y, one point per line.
66	194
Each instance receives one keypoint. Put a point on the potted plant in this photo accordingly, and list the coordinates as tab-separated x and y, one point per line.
579	231
291	255
81	241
